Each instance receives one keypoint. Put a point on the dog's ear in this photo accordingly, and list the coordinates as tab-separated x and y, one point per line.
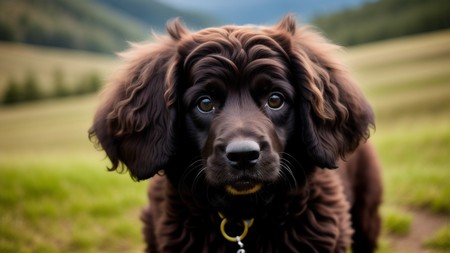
333	114
135	122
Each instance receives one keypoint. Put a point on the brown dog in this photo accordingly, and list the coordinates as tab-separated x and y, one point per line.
245	125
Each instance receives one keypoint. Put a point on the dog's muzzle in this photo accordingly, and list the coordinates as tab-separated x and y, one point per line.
243	155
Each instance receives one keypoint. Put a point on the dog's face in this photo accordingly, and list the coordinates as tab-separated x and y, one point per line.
239	108
258	106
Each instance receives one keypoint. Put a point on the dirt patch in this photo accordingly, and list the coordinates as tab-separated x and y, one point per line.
424	226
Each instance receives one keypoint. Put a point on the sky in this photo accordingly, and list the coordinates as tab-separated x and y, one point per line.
262	11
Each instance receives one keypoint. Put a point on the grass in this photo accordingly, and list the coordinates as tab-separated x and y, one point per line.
49	126
396	222
17	60
440	241
407	81
57	196
71	208
416	166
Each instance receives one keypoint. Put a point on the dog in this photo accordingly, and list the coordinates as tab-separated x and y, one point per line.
254	137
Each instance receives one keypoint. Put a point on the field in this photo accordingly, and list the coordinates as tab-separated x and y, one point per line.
57	196
408	83
18	60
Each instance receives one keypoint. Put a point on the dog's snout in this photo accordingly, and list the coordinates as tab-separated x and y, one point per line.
242	154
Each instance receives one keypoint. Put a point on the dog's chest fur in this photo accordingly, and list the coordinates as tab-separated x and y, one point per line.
315	220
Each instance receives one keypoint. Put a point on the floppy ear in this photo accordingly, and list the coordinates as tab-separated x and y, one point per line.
333	113
135	122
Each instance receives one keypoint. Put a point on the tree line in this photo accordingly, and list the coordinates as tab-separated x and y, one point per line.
99	26
30	89
385	19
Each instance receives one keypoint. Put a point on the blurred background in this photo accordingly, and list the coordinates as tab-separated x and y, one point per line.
55	55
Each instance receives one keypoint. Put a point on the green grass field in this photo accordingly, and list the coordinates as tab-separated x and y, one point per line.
57	196
408	83
17	60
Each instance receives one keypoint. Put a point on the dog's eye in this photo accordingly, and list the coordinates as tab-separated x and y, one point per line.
275	101
205	104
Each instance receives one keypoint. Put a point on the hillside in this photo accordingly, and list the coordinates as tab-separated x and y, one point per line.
107	25
101	25
156	13
67	68
384	19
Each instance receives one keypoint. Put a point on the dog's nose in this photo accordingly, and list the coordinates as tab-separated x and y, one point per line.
242	154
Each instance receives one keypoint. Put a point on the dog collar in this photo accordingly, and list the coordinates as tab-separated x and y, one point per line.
238	239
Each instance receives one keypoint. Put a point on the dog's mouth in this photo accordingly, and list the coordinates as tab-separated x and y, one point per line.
243	188
244	199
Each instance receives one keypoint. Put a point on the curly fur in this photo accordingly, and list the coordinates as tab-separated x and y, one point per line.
151	121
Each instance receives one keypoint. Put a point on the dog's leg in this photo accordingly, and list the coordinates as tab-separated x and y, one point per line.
366	224
148	231
367	196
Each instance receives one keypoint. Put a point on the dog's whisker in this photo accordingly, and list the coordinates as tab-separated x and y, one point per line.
198	177
192	168
288	175
287	160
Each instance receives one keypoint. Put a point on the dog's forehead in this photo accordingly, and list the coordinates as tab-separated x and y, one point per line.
232	42
232	54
